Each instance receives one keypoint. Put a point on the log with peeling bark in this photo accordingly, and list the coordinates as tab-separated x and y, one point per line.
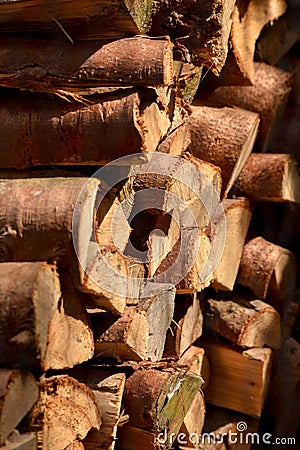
186	325
267	97
41	325
77	133
223	137
64	413
268	270
42	230
167	395
249	370
45	65
18	393
140	333
269	178
17	441
108	389
77	20
278	38
200	29
245	323
248	20
237	215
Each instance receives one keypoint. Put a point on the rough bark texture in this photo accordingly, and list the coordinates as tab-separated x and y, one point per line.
245	323
269	270
110	127
267	97
65	412
269	178
202	28
248	19
18	393
41	326
45	65
223	137
80	19
249	370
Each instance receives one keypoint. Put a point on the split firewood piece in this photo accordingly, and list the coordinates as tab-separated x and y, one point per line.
108	389
177	141
227	427
140	333
39	227
245	323
284	392
133	438
167	396
76	133
278	38
248	20
93	20
269	177
249	370
201	30
188	82
237	215
76	445
41	325
267	97
65	412
195	360
186	325
18	393
17	441
223	137
45	65
268	270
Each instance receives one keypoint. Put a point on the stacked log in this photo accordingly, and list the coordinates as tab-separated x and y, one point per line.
143	302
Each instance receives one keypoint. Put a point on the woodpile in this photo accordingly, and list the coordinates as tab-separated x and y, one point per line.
149	205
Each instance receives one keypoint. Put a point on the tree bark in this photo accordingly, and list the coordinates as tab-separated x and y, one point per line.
248	20
269	178
201	28
40	325
108	389
224	137
65	412
269	270
80	19
267	97
167	396
76	133
249	370
45	65
245	323
238	213
18	393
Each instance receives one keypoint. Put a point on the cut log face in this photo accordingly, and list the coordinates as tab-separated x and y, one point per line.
65	412
269	178
237	215
203	29
245	323
267	97
18	393
108	389
49	66
17	441
248	19
78	20
74	133
41	327
167	396
269	270
224	137
249	370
